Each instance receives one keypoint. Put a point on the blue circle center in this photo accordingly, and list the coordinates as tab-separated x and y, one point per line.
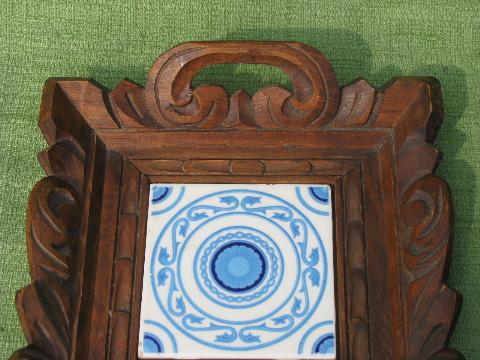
238	266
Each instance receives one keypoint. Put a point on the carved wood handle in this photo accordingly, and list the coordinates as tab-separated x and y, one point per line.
172	102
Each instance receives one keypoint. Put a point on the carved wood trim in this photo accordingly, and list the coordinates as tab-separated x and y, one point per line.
86	220
48	307
169	101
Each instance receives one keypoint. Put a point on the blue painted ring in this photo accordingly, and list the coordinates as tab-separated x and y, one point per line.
238	266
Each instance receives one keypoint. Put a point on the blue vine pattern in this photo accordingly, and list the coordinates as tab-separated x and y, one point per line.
237	202
246	335
195	213
314	256
314	277
281	213
181	226
253	216
162	277
228	336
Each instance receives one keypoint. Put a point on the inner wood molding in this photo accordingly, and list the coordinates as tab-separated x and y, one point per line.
86	221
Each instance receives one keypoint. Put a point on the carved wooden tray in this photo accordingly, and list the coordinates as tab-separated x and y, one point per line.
370	149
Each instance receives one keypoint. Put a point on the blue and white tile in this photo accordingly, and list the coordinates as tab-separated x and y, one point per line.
238	271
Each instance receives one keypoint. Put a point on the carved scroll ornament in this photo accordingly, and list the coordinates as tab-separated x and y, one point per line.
393	216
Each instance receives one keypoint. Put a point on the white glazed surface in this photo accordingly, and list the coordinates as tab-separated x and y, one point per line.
238	271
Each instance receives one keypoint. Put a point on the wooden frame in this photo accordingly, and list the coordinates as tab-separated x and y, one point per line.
86	220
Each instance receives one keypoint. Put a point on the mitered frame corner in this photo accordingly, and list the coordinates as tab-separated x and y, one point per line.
87	220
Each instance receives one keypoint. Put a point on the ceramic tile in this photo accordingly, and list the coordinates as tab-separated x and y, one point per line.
238	271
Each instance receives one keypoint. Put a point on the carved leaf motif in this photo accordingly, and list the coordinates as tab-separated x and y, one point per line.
126	105
45	306
408	109
425	218
64	159
45	320
426	214
52	225
356	105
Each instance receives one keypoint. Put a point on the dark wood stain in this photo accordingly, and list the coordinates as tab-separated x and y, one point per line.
87	220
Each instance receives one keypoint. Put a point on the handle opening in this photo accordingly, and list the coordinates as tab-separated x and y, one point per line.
248	77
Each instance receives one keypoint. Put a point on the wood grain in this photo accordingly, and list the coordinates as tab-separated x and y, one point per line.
170	101
87	220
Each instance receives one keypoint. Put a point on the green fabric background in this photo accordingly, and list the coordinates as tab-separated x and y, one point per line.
110	40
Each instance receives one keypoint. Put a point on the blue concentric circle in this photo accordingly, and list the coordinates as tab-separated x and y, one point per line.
256	294
238	266
209	236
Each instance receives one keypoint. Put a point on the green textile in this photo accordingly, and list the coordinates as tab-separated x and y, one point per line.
110	40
